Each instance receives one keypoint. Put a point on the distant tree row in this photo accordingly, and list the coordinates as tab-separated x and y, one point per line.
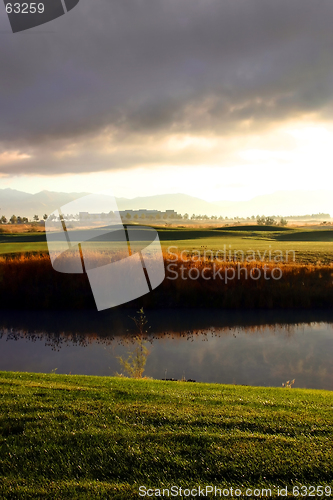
186	216
270	221
20	220
262	220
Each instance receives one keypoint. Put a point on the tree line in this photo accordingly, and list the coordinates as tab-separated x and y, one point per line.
261	220
21	220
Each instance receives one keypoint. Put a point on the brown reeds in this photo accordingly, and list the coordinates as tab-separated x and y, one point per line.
30	282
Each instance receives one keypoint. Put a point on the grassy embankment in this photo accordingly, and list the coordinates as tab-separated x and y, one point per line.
98	437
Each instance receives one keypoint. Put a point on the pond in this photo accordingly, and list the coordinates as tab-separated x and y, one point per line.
251	348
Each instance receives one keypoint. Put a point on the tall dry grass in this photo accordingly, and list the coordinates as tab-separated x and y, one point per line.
240	285
21	228
30	282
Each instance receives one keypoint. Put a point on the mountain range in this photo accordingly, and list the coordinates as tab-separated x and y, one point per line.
279	203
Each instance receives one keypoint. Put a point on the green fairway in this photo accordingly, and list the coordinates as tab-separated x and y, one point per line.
306	246
28	247
98	437
22	243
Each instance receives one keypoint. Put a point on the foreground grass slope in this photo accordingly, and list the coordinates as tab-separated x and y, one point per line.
91	437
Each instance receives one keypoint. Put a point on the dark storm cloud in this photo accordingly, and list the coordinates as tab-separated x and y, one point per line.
153	67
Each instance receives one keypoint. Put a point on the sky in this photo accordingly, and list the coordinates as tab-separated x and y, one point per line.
219	99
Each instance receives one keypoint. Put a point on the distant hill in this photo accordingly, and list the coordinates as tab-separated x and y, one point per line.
279	203
27	205
24	204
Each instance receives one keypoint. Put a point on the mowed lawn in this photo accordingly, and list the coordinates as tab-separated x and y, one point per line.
307	246
22	247
22	243
68	437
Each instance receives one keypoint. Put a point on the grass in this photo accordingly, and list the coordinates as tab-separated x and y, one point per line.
69	437
310	245
19	248
21	228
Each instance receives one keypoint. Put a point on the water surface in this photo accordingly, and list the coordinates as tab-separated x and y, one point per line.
254	348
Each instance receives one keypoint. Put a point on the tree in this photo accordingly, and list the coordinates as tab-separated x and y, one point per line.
3	220
25	220
36	218
265	221
45	216
19	220
186	216
283	222
128	216
270	221
261	220
13	219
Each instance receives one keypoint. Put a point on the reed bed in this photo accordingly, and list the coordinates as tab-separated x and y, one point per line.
28	281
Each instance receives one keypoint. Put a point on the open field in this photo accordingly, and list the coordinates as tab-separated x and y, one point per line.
98	437
310	246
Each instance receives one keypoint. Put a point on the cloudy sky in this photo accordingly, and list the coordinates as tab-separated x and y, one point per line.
221	99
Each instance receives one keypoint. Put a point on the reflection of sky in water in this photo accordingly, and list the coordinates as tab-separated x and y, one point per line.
251	355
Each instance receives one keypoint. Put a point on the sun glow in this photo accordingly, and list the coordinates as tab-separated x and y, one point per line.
12	156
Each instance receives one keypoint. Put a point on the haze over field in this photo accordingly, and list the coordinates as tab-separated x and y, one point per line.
280	203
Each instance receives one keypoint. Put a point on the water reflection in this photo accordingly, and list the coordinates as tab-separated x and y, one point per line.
261	348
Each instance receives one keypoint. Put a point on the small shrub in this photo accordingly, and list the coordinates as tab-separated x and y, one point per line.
289	383
135	363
